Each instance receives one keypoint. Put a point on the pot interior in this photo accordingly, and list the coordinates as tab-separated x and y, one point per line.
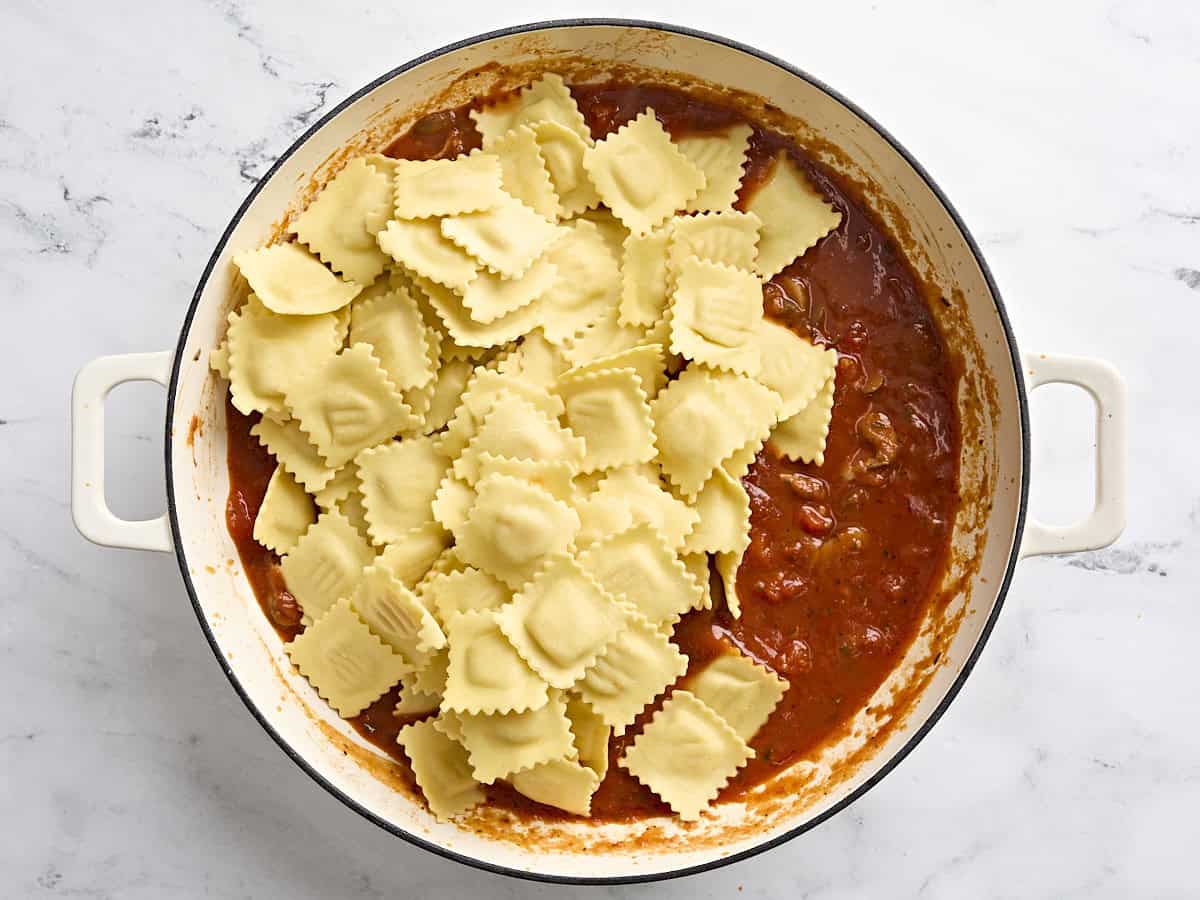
991	470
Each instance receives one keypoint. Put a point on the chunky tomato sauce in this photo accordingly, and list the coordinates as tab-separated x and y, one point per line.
844	557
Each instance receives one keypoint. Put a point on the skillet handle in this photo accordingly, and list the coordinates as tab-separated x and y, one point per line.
1107	519
89	509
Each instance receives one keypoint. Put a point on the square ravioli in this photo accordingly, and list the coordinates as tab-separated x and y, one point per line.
715	312
641	175
638	666
348	665
636	566
512	527
506	237
399	482
686	755
485	674
348	405
794	216
393	613
340	225
740	691
446	187
502	744
608	410
442	769
326	563
285	513
561	621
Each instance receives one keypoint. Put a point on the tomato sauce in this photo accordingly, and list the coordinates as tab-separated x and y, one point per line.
844	557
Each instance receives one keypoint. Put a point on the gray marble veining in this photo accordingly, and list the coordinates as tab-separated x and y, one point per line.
1068	136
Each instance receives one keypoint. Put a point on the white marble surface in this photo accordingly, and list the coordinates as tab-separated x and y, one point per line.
1067	133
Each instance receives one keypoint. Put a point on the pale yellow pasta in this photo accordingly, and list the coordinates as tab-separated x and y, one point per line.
348	665
482	392
609	411
285	513
792	367
803	435
727	567
399	480
546	100
410	557
490	296
523	171
420	246
452	503
446	187
697	566
507	237
512	527
535	360
638	568
394	613
590	734
642	494
270	353
639	665
722	516
703	417
399	339
794	216
449	724
294	451
722	159
646	360
603	338
348	405
343	483
599	516
326	563
291	281
563	152
485	672
727	237
431	678
502	744
447	394
738	463
341	223
468	590
441	768
644	277
641	175
352	508
561	621
414	702
517	429
218	359
686	755
562	783
588	286
458	323
556	476
715	311
740	691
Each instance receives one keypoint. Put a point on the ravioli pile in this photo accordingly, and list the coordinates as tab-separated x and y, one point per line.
511	397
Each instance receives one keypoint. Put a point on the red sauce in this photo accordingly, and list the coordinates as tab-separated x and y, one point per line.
844	556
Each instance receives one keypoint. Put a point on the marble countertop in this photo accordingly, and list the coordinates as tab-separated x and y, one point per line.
1066	133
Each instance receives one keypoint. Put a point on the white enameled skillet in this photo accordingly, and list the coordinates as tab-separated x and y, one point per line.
991	533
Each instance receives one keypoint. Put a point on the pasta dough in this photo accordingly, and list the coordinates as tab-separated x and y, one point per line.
524	437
